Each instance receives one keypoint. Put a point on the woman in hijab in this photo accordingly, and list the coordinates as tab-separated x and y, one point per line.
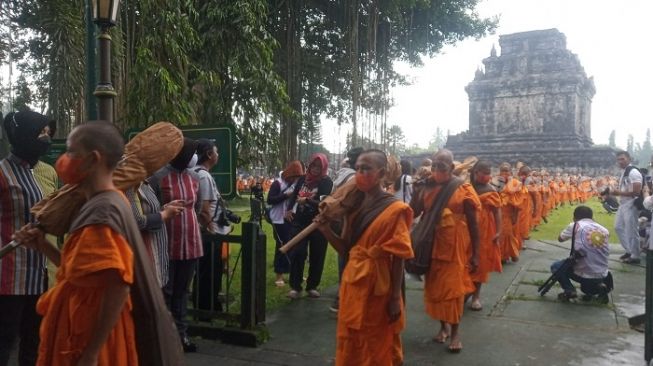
280	192
303	207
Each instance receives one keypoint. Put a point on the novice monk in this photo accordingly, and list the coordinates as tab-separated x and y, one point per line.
107	307
511	199
377	239
489	228
448	280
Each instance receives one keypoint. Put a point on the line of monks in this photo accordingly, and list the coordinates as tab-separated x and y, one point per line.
482	227
244	184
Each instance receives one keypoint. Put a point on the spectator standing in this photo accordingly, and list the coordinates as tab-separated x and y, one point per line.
280	191
210	266
23	274
404	184
177	182
308	193
626	225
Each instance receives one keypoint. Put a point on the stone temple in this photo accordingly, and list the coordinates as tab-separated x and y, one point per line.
532	103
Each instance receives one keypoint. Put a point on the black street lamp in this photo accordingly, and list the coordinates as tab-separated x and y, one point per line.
105	14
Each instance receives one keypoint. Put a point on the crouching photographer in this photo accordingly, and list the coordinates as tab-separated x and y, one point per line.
588	260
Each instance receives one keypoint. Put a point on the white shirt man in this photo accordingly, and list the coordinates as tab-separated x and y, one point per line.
626	225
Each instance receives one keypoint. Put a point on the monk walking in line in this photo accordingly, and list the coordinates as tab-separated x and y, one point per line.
107	307
456	236
377	240
489	228
511	199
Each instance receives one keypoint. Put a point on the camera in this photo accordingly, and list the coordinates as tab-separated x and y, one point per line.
257	192
227	216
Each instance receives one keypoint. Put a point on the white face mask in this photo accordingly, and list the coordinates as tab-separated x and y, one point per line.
193	161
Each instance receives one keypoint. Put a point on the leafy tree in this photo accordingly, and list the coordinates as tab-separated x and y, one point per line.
611	140
438	141
23	95
396	140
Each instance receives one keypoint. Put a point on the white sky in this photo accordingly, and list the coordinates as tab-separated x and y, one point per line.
611	39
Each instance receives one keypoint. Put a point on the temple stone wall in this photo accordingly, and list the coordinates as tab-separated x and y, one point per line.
532	103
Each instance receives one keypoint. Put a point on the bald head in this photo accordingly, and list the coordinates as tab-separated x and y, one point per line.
100	136
377	157
443	160
524	170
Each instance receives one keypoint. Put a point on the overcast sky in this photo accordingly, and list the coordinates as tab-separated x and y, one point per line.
611	39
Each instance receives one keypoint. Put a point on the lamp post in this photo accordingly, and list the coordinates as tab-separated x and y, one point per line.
105	13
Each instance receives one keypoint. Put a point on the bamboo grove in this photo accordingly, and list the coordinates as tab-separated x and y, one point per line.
274	69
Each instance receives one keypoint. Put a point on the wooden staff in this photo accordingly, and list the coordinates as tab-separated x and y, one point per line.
345	200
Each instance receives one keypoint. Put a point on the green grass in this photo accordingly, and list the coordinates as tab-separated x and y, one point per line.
560	218
275	296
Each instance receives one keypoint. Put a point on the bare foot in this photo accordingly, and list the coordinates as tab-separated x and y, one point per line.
455	346
476	305
441	337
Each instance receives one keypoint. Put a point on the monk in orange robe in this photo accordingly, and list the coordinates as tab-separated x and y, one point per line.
489	226
377	239
511	199
526	209
535	189
87	315
456	236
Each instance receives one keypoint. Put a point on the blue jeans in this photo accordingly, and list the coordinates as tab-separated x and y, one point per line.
590	286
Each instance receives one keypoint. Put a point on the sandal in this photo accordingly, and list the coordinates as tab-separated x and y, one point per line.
280	283
455	348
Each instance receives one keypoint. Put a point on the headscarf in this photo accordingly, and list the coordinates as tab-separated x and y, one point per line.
293	169
180	162
312	180
23	130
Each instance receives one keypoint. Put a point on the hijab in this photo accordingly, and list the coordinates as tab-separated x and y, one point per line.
311	179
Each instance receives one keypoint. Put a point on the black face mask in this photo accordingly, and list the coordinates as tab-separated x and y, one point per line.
31	152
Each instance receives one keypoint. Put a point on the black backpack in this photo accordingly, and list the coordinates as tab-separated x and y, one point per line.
639	199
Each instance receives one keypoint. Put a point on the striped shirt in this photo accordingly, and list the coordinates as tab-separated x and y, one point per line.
147	211
23	271
184	240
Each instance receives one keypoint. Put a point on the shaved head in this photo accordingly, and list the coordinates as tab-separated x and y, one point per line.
378	157
444	155
100	136
525	170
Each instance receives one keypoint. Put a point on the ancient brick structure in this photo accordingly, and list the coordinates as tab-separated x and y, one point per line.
532	103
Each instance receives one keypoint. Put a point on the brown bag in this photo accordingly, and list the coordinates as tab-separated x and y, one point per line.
423	234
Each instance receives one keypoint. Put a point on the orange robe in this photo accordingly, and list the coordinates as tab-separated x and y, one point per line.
489	252
448	279
536	189
525	215
365	336
511	199
70	309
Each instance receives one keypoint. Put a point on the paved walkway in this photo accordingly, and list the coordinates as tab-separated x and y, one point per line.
516	326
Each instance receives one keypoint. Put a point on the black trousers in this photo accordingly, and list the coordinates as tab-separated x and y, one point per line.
314	247
176	291
209	276
18	319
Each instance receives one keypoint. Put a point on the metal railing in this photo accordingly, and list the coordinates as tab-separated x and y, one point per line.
247	327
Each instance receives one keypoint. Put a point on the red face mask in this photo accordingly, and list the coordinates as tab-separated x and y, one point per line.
365	182
68	169
441	177
483	179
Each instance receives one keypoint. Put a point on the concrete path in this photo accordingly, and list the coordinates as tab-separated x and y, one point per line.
516	326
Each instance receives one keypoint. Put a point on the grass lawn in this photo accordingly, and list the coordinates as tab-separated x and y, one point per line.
560	218
276	297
